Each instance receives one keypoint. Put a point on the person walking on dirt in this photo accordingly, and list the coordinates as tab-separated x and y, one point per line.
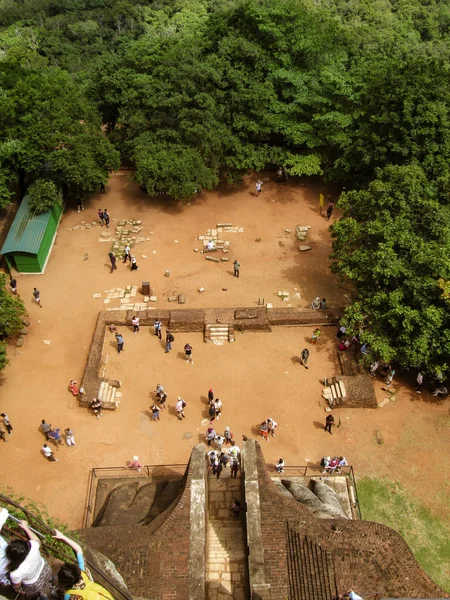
54	435
155	412
329	422
134	266
315	336
218	408
217	468
234	467
100	216
390	376
135	323
112	260
157	327
419	382
169	340
126	253
46	428
264	430
210	396
7	423
70	437
330	210
119	340
228	435
304	357
219	441
96	407
271	426
106	217
188	353
210	435
212	413
224	459
236	268
13	285
373	368
48	453
179	407
3	437
258	187
159	391
102	188
37	296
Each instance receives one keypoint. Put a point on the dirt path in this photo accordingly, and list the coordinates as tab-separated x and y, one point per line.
257	376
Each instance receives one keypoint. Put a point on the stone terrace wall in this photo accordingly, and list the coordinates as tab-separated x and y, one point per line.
156	560
367	557
186	320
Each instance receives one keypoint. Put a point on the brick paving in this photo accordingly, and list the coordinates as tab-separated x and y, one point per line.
226	564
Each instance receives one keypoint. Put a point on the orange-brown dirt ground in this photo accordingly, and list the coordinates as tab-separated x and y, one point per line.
256	377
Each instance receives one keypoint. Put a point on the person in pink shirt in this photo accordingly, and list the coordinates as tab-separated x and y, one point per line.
135	464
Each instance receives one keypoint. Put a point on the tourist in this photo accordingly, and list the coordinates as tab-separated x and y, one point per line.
344	345
13	285
112	259
389	376
134	464
224	459
3	434
351	596
210	245
217	468
271	426
29	572
329	422
330	210
80	205
112	328
212	455
258	187
212	413
102	189
162	401
45	428
157	328
70	437
74	580
179	407
96	407
264	430
210	435
234	451
135	323
73	387
342	463
48	453
188	353
100	216
279	466
219	441
236	268
419	380
210	395
7	423
134	266
37	296
119	340
155	412
106	217
315	304
441	391
234	467
169	340
304	357
228	435
54	435
315	336
325	463
236	508
323	304
341	332
373	368
126	253
4	514
218	408
159	391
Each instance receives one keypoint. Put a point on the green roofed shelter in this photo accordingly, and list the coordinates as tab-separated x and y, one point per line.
30	239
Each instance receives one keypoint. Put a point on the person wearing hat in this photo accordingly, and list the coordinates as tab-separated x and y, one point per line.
135	464
134	266
315	304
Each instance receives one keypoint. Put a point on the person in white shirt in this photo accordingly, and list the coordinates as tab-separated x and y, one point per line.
351	596
135	323
29	571
234	451
4	580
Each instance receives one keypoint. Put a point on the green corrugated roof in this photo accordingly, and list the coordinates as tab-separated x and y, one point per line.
27	230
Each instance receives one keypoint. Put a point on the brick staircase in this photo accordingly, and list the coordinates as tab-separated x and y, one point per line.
226	559
109	395
219	333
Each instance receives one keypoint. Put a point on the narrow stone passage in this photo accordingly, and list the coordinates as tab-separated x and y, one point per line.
226	563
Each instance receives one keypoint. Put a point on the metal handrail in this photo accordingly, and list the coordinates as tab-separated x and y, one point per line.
118	593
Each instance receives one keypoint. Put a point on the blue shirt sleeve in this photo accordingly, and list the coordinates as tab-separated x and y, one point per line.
80	560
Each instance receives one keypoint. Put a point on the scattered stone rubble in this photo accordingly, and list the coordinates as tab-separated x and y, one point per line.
216	235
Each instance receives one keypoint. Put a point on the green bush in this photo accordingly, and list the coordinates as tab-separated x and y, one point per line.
43	195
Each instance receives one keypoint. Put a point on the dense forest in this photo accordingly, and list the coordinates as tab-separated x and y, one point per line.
190	91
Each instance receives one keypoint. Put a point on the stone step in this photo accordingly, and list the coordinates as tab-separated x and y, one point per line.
218	328
102	390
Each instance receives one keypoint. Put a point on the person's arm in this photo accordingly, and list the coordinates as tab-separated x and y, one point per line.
75	547
31	535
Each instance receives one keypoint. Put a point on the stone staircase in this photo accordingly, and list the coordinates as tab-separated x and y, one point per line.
109	395
226	558
219	333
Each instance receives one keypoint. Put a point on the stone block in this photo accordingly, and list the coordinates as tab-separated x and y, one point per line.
172	298
153	298
20	341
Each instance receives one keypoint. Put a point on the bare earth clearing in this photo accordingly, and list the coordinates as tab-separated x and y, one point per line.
256	377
